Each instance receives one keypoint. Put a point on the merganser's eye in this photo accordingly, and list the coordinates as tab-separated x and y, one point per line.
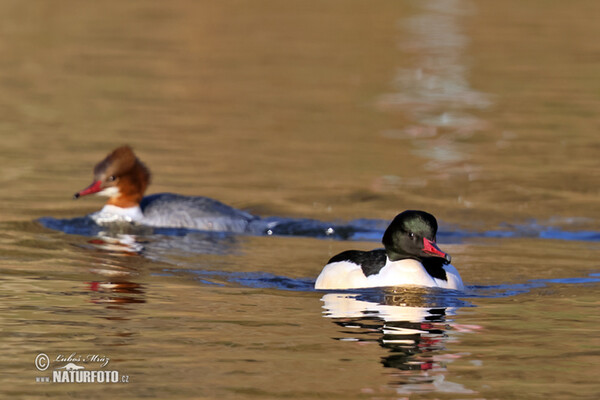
111	178
411	235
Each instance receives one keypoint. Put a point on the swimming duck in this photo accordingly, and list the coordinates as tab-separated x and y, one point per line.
123	178
410	256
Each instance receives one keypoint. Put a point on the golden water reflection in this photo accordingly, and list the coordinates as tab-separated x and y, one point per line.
483	113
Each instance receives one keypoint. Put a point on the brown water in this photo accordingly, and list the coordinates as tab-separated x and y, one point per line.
483	113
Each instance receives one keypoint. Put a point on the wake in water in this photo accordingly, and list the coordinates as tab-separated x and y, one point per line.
431	297
166	244
363	230
356	230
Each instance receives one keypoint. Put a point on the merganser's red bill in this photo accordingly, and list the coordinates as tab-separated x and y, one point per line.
95	187
431	247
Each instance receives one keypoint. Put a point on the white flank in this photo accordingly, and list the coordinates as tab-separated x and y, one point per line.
347	275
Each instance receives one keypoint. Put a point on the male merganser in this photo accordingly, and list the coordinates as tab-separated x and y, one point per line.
411	257
123	178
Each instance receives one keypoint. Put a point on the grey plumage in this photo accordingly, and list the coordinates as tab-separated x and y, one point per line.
193	212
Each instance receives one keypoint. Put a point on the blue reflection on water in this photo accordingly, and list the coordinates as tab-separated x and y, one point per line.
158	242
519	288
356	230
434	296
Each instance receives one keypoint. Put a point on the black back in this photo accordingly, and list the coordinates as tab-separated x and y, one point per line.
371	262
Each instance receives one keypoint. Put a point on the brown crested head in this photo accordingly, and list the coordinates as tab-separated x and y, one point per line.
121	176
121	160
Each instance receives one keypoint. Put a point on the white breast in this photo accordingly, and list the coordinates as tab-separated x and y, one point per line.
400	273
347	275
109	214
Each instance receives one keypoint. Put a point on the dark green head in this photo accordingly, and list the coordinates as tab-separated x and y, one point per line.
412	235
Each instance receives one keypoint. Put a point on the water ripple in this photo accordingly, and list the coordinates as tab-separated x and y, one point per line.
355	230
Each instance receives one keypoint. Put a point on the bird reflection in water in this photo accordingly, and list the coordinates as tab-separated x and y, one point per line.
116	287
123	250
414	324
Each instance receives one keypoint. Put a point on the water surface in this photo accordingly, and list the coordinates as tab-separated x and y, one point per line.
345	112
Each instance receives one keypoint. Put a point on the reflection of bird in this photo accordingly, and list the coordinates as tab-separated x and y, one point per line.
121	243
411	257
120	292
398	321
411	323
410	306
123	178
71	367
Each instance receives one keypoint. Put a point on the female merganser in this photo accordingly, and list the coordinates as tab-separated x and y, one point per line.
411	257
123	178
